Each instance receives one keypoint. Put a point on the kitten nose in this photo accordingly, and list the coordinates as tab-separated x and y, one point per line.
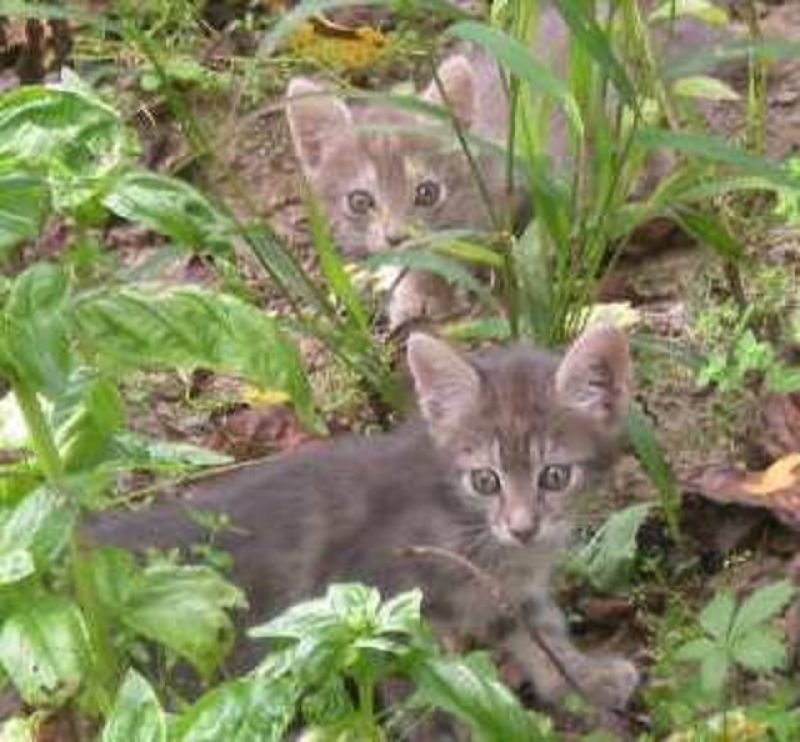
522	524
523	533
393	239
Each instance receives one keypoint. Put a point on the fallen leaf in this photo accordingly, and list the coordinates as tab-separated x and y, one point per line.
780	476
265	397
777	488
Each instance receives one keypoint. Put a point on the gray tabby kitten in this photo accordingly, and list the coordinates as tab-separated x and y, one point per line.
379	187
382	187
508	440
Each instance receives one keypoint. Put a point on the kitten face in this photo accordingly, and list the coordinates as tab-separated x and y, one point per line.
526	432
382	183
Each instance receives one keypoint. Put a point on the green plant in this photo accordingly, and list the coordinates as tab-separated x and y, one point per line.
738	636
347	639
607	561
741	344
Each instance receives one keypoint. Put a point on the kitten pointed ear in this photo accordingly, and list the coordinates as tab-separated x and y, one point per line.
317	118
595	374
446	384
457	76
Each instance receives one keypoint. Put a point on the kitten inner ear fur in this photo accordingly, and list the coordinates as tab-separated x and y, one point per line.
318	120
446	384
457	76
594	376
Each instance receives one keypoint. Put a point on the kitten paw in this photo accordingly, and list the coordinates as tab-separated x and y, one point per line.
609	681
419	296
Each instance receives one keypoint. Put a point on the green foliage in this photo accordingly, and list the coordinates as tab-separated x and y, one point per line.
348	635
607	561
741	343
137	714
153	602
738	636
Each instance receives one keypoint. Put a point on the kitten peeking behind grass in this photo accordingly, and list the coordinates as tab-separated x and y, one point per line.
386	175
507	442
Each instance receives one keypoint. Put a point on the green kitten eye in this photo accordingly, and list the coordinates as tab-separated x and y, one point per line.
360	201
427	193
485	481
555	477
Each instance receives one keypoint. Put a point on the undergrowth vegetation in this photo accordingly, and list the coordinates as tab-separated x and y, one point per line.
94	632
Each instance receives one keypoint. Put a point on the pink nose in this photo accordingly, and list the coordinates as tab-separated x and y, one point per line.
522	524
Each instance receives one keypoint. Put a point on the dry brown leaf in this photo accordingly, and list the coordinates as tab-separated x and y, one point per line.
782	475
777	488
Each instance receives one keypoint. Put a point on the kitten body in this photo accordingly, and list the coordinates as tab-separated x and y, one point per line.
508	440
382	184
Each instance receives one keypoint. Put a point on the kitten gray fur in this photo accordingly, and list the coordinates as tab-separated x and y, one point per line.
337	157
342	511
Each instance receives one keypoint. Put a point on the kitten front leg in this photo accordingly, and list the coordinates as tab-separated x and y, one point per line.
419	295
607	680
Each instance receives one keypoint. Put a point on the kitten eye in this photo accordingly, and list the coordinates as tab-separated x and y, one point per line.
485	481
555	477
360	201
427	193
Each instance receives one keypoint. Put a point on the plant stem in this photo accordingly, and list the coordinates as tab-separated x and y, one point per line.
48	458
41	437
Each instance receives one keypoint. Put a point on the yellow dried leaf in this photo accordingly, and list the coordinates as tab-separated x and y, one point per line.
780	476
265	397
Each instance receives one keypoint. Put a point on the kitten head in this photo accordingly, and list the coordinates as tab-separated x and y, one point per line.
524	430
381	182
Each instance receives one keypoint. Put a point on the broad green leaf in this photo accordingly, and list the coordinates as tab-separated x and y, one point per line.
50	125
41	524
45	648
24	205
240	711
714	671
35	328
21	729
137	714
85	417
15	566
13	432
701	86
173	208
160	600
188	327
695	650
764	604
760	651
468	688
717	617
608	558
155	602
401	614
